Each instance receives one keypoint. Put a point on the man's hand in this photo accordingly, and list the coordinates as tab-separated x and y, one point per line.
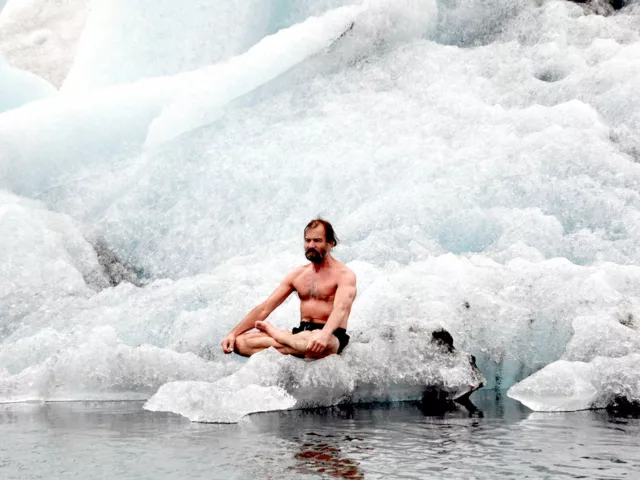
229	343
319	341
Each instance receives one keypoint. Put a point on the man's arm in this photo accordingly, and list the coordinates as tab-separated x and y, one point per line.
342	303
261	312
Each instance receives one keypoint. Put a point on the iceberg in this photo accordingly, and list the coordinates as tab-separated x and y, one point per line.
402	366
478	159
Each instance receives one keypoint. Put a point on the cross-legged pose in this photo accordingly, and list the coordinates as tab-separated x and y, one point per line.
326	288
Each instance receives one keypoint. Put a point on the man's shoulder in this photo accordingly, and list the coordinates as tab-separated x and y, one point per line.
295	273
346	274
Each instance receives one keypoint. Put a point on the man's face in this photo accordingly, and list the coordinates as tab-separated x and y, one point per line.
315	244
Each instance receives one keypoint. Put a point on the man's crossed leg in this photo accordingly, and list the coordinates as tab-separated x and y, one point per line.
284	341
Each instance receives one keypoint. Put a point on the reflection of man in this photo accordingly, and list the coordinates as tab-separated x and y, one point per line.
326	289
323	455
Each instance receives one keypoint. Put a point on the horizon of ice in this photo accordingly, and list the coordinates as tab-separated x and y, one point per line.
482	176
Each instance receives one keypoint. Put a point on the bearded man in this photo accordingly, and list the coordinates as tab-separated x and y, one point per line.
326	288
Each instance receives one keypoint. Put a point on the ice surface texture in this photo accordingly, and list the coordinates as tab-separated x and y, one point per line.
40	36
478	159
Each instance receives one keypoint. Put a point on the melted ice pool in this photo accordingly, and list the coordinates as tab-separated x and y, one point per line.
501	440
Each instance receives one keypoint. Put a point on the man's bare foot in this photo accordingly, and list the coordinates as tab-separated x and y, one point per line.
266	327
298	342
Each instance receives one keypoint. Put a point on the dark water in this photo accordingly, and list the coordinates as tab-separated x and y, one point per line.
500	440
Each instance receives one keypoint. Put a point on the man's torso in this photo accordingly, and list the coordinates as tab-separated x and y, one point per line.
317	291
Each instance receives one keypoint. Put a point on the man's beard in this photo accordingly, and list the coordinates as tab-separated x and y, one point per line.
315	256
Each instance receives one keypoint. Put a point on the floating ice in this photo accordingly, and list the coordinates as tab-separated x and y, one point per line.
568	386
400	365
561	386
201	402
599	367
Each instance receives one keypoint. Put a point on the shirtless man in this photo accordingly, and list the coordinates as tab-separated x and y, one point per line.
326	288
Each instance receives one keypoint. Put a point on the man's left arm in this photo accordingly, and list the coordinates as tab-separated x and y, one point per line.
345	295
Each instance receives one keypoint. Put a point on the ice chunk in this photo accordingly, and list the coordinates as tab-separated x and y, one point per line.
560	386
567	386
199	402
19	87
400	366
610	343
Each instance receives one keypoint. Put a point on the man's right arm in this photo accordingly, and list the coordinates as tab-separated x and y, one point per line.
261	312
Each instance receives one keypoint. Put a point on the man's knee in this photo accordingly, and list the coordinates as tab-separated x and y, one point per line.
242	347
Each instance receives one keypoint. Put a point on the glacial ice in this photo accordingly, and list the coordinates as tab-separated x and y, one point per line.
19	87
482	175
54	261
200	103
128	40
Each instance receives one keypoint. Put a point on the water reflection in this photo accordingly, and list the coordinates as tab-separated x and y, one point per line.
323	454
489	438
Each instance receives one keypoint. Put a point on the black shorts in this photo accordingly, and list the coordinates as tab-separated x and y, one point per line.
339	333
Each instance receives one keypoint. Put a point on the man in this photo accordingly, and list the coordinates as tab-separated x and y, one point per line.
326	288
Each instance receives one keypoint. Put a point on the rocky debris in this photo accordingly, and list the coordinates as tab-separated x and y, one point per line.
603	7
115	269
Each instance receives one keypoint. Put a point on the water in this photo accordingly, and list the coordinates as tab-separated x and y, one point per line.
501	439
479	159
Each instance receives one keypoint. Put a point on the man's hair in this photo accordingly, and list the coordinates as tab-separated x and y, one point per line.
330	235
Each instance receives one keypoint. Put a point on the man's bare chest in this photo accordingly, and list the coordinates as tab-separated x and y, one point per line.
316	287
